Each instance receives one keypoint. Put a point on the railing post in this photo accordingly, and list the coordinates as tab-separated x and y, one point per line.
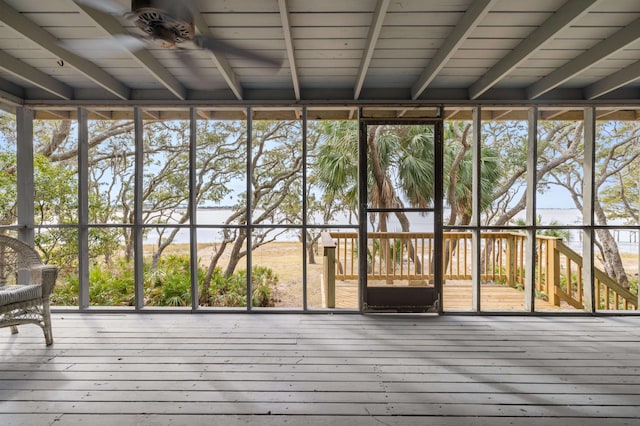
329	269
553	272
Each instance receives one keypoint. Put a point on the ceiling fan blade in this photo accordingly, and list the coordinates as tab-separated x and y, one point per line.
218	46
173	5
130	42
107	6
188	61
114	44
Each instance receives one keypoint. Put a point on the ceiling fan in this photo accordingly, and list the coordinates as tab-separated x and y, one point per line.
168	24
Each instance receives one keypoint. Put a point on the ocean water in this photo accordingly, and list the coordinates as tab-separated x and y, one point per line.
628	240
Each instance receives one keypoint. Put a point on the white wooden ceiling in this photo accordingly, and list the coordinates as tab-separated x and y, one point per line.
349	51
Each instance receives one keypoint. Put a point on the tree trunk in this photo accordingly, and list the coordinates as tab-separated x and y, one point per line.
411	250
128	250
613	265
236	253
312	244
206	284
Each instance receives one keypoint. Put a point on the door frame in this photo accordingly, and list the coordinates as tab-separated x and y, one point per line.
363	210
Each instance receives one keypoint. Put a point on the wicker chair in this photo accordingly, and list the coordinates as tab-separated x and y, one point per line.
25	286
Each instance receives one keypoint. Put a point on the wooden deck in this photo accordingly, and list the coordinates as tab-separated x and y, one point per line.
315	369
457	296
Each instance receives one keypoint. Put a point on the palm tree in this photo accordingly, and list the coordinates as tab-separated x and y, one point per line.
401	167
400	153
458	173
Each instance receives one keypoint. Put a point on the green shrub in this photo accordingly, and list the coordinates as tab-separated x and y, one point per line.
168	285
263	282
232	291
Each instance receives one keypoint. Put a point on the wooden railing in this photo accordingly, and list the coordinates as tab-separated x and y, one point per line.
409	256
560	277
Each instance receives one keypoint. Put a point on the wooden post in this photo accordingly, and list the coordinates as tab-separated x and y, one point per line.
329	269
553	272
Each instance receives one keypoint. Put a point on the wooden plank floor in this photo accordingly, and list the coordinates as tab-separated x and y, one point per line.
322	369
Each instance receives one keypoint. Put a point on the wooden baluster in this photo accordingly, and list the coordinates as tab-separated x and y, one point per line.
401	257
376	258
487	249
495	258
419	256
414	244
539	260
423	263
580	283
499	266
511	260
569	280
468	250
553	272
522	267
430	254
519	261
351	257
446	266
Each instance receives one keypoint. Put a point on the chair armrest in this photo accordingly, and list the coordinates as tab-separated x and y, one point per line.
46	276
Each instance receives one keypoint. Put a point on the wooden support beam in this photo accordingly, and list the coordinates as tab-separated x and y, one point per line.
372	39
220	61
614	81
469	21
112	27
17	22
618	41
288	39
34	76
563	18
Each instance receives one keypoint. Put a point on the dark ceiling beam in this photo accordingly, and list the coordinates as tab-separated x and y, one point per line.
564	17
288	39
151	115
607	47
14	20
469	21
372	38
614	81
205	115
450	114
552	115
220	61
602	114
113	27
59	114
34	76
10	94
103	115
500	115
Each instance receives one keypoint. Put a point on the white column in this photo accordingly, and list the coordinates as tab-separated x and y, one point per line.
588	188
476	239
249	201
24	174
532	181
304	209
138	195
83	209
193	207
